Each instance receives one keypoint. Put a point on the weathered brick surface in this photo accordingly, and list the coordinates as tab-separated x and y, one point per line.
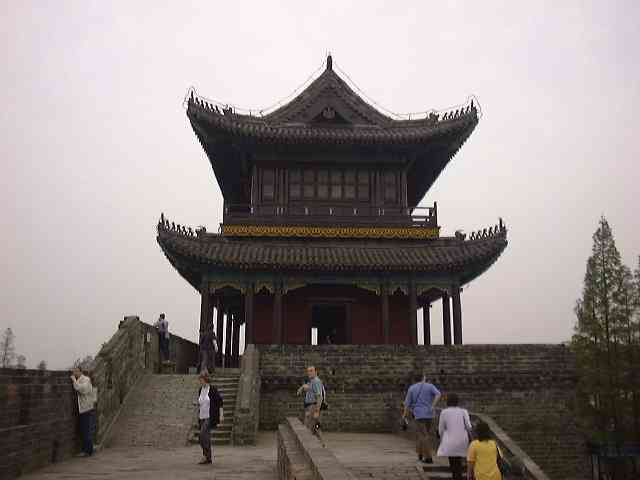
528	389
38	418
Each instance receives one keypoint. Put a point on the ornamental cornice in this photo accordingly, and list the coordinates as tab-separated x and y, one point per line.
420	233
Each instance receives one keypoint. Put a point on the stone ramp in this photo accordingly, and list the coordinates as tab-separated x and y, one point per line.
350	456
158	412
381	456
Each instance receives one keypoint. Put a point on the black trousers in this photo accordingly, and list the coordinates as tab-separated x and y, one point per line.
455	464
87	422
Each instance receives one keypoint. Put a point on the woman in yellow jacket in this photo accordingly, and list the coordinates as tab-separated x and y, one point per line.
482	456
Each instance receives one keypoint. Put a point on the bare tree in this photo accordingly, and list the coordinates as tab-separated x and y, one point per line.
7	349
85	364
22	362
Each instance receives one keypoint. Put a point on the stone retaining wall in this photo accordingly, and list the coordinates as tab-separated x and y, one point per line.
247	410
302	457
528	389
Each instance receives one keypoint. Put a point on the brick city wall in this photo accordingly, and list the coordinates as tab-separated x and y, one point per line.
38	413
528	389
38	409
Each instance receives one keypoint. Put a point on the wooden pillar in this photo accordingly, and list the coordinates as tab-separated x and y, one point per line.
457	316
426	323
277	316
446	318
386	327
235	339
227	340
219	330
248	315
413	314
206	310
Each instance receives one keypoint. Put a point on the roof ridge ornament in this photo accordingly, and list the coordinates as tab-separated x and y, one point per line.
329	61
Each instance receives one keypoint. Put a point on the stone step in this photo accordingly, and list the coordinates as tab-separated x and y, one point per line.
438	472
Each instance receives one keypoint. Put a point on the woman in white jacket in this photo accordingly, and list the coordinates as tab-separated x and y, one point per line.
454	428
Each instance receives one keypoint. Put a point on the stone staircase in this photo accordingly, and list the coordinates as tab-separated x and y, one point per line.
226	381
440	471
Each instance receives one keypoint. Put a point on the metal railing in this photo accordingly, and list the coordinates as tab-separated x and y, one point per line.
333	213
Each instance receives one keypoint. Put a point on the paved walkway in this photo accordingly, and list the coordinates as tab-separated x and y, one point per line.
140	463
378	456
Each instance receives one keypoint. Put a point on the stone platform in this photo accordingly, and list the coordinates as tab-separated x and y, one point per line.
378	456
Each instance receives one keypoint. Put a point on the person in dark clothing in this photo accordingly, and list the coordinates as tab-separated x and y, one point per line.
210	415
208	350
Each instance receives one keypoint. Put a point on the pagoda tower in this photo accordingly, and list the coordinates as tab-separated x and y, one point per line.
322	240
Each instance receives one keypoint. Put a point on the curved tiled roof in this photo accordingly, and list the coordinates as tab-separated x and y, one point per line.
330	114
405	133
445	255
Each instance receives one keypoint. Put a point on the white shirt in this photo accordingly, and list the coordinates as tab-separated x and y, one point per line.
205	403
87	395
453	427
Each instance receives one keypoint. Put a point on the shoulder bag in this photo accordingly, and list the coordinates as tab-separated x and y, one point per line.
503	465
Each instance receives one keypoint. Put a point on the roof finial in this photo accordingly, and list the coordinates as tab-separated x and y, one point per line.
329	61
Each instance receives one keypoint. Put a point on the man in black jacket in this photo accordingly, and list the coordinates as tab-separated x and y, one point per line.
210	415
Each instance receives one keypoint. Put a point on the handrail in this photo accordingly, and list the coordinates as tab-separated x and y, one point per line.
332	210
522	465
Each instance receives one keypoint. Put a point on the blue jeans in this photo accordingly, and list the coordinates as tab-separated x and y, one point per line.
87	425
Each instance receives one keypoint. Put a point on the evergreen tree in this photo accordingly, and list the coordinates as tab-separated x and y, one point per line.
599	339
7	349
42	365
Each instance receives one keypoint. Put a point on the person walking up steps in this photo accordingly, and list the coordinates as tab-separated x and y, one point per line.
454	427
482	457
421	399
313	399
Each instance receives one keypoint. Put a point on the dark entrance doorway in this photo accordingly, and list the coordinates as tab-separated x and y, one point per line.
330	324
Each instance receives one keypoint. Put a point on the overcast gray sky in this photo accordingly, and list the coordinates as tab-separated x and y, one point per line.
95	144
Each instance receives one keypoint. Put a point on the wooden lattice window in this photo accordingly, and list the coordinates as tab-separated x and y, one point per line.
363	185
268	184
308	184
323	184
295	184
350	185
336	185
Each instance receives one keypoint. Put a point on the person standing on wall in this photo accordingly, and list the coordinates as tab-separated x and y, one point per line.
313	400
87	398
421	399
210	414
163	337
454	428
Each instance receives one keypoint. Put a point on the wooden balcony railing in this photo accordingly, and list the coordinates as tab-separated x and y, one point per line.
301	214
